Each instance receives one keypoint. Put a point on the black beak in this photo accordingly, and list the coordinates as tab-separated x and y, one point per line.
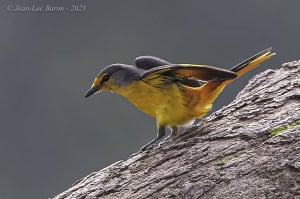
92	91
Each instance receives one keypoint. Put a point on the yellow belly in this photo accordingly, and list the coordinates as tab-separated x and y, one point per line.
167	105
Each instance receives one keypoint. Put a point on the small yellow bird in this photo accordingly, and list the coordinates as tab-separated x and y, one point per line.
171	93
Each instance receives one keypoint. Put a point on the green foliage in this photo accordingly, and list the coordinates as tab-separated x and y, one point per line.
280	129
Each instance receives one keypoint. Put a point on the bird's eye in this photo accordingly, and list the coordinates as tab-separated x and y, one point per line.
105	78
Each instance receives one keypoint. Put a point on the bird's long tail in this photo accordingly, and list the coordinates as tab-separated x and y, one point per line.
250	63
213	89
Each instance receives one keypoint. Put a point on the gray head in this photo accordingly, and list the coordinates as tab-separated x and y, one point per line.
113	77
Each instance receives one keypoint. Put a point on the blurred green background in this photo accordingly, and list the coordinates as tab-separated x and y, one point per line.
51	136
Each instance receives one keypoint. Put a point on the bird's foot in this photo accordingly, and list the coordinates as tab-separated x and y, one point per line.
148	146
168	139
160	134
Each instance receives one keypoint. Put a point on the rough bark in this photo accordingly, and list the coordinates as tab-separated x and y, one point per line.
232	154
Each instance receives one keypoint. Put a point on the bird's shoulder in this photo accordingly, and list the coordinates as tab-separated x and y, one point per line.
149	62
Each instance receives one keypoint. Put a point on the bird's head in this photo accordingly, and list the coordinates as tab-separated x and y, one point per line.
114	77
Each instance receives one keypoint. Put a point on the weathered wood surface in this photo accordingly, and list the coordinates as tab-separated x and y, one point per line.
230	155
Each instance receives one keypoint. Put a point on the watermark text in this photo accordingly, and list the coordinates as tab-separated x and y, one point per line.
45	8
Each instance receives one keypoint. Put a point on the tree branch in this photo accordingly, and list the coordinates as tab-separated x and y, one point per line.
248	149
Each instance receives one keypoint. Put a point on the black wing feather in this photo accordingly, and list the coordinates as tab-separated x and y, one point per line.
148	62
190	71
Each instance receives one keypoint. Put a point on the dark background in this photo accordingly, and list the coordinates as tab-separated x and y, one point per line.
51	136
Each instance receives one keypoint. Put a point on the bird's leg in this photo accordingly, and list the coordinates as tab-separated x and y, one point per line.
160	134
174	132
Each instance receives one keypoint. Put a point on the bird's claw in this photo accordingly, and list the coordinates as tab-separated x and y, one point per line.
148	147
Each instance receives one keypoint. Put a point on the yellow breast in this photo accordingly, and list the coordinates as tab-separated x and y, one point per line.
170	105
166	104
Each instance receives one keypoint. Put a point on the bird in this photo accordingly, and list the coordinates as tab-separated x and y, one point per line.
171	93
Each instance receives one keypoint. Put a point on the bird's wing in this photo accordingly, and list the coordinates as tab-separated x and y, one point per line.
181	72
148	62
